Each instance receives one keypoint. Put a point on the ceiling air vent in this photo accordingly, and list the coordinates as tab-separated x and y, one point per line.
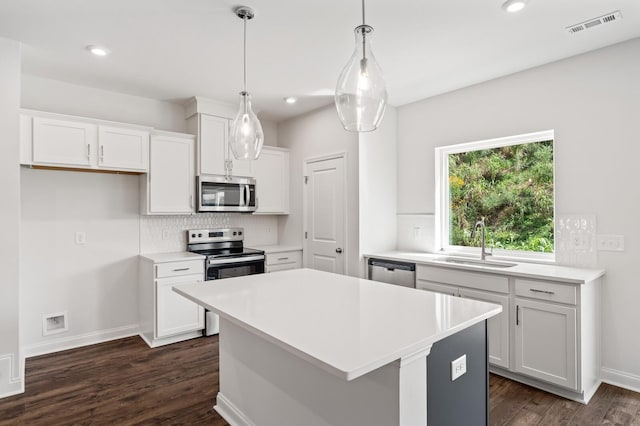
604	19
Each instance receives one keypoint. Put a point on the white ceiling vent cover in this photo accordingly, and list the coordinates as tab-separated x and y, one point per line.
604	19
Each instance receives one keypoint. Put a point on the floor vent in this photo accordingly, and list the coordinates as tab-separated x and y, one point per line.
54	323
604	19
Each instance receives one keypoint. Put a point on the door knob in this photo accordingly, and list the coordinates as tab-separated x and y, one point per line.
338	250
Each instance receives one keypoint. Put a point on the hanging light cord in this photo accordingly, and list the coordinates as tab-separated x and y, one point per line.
244	21
364	35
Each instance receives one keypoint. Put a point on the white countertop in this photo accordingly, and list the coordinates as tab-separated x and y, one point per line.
344	325
521	269
171	257
276	248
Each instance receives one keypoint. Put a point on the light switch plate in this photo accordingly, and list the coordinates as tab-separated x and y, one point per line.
81	238
458	367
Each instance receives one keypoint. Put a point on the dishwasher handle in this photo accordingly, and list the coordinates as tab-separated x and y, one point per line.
392	265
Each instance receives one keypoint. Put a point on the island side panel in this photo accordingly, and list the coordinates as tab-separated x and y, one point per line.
464	401
262	384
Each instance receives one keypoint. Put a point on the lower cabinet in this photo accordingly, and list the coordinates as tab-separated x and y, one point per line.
498	326
283	260
164	315
548	334
546	344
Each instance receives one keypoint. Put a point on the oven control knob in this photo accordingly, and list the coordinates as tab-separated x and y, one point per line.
235	233
199	235
193	235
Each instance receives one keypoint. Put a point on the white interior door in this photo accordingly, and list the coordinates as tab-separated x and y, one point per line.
325	215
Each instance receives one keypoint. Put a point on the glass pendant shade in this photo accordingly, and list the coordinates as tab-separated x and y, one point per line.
361	95
246	136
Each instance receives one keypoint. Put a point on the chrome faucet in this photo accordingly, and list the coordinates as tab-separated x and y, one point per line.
480	223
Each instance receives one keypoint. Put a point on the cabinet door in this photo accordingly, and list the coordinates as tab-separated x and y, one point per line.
437	287
272	181
64	143
546	342
123	149
498	326
171	175
174	313
214	134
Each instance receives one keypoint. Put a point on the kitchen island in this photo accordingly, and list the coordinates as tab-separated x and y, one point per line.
309	347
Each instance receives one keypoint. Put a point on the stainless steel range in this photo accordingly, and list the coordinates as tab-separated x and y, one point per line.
226	257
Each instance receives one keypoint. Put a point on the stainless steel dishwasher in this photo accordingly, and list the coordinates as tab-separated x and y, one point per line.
392	272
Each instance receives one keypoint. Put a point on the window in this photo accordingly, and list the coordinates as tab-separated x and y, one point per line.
508	181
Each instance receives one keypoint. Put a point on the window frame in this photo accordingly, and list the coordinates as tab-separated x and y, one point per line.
442	210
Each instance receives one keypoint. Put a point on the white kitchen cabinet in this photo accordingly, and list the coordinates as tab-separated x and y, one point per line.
174	313
121	148
271	171
165	316
65	143
498	326
56	140
281	261
213	148
169	187
545	342
548	334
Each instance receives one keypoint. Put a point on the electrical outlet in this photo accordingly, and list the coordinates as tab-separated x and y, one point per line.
458	367
81	238
417	232
610	242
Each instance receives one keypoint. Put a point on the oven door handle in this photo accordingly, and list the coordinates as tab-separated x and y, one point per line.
235	260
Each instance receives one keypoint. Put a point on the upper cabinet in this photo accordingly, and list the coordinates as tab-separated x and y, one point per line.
169	187
54	140
272	181
62	142
123	149
214	148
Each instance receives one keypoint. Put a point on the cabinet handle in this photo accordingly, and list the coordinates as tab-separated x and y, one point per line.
283	258
181	269
89	151
517	315
541	291
191	201
101	153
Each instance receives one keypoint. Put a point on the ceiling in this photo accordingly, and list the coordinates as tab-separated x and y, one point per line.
174	49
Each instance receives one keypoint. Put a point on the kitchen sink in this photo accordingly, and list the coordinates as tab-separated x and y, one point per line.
475	262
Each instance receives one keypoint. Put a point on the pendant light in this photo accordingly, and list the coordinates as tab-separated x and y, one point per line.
246	136
361	95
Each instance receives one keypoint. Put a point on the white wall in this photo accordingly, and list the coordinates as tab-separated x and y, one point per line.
44	94
270	130
11	373
378	169
95	283
317	134
592	102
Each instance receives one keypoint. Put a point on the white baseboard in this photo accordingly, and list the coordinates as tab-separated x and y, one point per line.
230	412
73	342
621	379
9	385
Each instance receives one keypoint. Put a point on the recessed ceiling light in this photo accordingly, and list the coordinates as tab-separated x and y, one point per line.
513	6
98	50
290	100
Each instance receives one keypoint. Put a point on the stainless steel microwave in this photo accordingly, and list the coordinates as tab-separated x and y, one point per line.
226	194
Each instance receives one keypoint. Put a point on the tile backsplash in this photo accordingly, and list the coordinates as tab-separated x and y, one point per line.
576	240
168	233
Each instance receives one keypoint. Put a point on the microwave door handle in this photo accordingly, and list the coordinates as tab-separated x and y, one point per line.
248	197
243	193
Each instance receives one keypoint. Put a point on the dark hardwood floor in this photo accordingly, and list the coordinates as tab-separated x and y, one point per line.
123	382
